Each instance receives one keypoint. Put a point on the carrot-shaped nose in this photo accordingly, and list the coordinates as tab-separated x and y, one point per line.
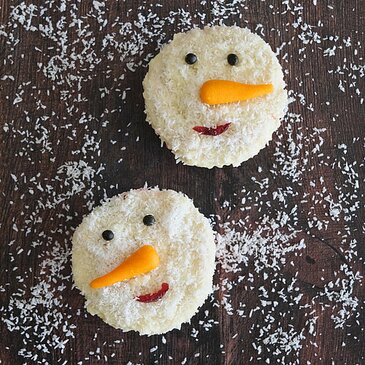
215	92
140	262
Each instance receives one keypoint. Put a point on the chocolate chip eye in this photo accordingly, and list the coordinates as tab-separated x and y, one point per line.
191	58
149	220
232	59
108	235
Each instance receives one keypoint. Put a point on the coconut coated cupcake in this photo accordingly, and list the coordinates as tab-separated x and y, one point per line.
215	95
144	260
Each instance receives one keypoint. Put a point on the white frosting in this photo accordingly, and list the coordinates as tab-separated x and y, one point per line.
173	105
184	242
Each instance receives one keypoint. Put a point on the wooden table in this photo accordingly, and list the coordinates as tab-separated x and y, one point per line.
74	131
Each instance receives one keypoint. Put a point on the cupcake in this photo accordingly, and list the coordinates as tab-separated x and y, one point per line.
215	95
144	260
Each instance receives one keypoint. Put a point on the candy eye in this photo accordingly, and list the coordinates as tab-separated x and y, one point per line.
149	220
232	59
108	235
191	58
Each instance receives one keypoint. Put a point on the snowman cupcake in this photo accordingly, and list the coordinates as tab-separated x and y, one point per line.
144	260
215	95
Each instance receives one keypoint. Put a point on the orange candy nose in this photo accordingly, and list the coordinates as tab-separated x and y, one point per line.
214	92
140	262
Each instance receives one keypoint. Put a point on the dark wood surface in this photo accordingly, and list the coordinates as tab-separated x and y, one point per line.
48	118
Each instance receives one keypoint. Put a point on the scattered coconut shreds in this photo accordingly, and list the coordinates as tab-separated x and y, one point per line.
81	55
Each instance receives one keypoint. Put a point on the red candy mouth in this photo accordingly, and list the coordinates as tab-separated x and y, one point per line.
153	297
219	129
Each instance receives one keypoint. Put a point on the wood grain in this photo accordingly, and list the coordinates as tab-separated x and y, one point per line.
145	161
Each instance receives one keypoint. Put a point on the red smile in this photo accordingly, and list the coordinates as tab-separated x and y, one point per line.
219	129
153	297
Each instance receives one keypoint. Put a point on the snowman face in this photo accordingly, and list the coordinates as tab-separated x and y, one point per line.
168	223
215	96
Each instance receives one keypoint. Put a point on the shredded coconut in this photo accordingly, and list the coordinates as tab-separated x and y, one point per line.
84	55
